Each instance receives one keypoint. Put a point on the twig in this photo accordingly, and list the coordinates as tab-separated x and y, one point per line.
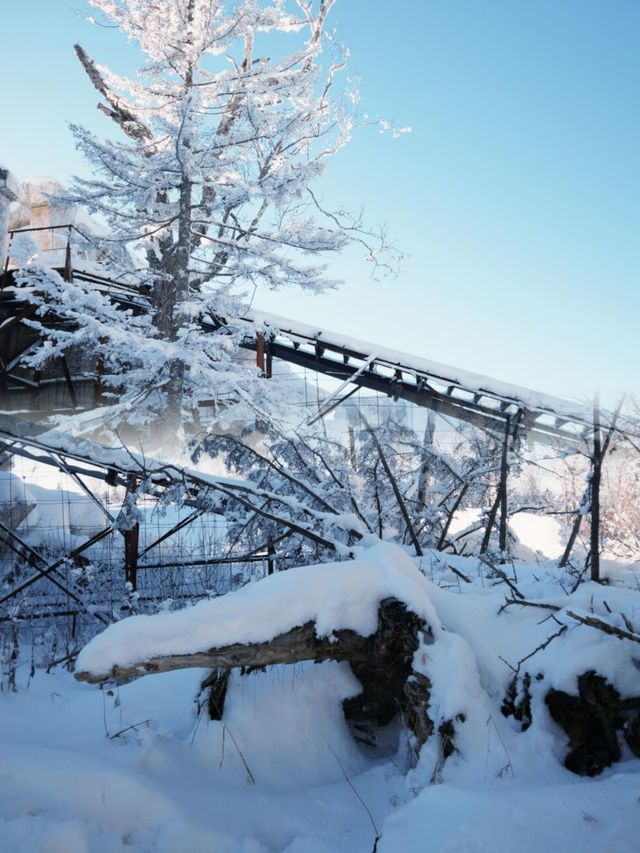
197	725
509	765
128	728
502	575
360	800
543	645
394	487
539	648
250	776
104	714
459	574
523	603
600	625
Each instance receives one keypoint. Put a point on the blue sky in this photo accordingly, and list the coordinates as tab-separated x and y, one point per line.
516	198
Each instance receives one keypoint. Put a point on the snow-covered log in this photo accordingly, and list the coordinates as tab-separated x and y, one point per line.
372	612
381	661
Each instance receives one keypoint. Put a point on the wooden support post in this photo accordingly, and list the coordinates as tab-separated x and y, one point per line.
131	539
4	281
67	273
397	382
4	360
596	471
270	552
35	392
69	382
98	391
504	473
260	352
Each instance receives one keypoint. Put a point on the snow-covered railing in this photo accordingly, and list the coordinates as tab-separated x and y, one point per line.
448	390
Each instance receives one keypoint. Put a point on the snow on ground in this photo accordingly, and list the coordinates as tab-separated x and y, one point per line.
534	533
55	510
73	780
539	533
585	816
65	786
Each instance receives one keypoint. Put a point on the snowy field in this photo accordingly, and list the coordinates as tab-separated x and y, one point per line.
84	769
69	783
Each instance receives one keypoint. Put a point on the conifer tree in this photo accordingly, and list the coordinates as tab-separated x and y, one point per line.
208	193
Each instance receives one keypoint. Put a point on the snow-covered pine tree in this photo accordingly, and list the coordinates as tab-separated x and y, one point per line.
226	128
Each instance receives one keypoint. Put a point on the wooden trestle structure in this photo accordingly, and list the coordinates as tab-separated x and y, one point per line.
356	364
504	409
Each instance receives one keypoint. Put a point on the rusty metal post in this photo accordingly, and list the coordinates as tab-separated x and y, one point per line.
269	362
131	540
504	473
67	273
260	352
596	472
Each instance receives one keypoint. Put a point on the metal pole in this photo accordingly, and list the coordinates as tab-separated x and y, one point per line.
596	471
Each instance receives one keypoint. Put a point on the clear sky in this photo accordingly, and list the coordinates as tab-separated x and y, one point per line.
516	198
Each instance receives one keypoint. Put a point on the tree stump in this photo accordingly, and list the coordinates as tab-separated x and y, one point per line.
592	720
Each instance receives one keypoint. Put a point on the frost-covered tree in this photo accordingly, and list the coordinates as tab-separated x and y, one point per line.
208	193
387	482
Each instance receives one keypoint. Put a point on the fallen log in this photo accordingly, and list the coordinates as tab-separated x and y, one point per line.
592	721
372	613
296	645
382	662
